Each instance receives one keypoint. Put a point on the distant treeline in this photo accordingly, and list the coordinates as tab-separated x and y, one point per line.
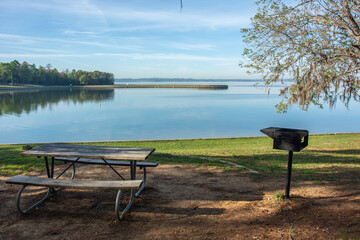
15	73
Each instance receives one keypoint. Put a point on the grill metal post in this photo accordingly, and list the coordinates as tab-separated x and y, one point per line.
288	176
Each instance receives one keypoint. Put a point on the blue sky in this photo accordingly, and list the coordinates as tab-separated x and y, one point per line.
134	38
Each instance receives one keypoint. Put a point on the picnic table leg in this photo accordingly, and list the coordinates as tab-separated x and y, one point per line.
118	203
132	194
133	170
34	205
50	174
142	184
133	176
52	167
50	171
47	167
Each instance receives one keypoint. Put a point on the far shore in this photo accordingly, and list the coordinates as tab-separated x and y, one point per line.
27	88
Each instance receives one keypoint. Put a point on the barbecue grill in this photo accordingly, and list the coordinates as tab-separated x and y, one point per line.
292	140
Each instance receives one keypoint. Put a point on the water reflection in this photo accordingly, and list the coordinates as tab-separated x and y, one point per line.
17	103
139	114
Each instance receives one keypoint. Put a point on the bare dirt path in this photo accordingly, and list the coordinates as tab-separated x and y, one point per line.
187	202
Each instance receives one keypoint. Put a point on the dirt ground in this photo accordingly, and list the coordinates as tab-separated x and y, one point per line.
187	202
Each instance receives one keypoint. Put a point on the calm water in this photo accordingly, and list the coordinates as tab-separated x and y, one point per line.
135	114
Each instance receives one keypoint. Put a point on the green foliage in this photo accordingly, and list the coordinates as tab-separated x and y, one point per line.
278	196
15	73
316	43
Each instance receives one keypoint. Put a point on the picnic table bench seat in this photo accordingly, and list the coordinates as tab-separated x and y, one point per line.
51	183
140	164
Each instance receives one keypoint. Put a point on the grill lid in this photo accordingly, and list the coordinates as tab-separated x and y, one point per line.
287	138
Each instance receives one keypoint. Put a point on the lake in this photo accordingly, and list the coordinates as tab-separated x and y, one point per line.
141	114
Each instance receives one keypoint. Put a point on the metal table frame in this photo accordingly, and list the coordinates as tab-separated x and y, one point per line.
50	174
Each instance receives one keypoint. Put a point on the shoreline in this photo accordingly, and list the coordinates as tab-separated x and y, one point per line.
173	139
25	88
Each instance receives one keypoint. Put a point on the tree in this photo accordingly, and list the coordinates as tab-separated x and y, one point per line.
84	79
42	77
25	73
315	42
5	73
48	66
34	74
15	72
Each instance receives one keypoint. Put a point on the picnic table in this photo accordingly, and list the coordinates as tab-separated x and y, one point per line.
103	155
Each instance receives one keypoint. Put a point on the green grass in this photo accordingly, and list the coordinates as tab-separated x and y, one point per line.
330	157
278	196
19	86
12	163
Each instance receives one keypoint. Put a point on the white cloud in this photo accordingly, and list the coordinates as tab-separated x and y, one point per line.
32	55
73	32
22	42
174	21
115	17
167	56
155	56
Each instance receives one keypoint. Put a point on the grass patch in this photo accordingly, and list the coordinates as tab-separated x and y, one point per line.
329	157
12	163
278	196
166	158
19	86
345	235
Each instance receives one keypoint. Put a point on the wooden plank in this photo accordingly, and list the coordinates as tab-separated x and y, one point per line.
101	162
93	152
78	184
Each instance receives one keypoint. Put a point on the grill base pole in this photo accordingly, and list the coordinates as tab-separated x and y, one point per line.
288	177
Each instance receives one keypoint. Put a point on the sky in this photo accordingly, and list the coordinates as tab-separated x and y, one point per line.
129	38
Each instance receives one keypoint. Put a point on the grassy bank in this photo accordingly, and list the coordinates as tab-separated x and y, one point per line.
331	157
19	86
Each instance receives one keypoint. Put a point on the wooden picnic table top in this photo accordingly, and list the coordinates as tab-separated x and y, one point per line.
87	151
